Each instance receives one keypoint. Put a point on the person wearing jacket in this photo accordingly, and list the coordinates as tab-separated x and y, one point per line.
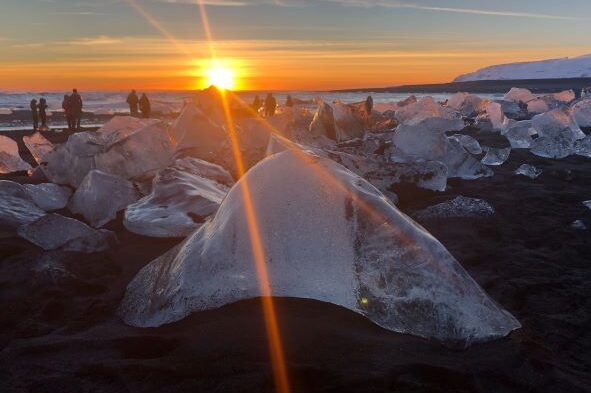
35	114
132	100
145	106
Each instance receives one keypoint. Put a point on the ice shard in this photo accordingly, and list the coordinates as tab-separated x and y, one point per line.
582	112
39	147
338	241
469	143
496	156
10	160
528	170
459	207
560	146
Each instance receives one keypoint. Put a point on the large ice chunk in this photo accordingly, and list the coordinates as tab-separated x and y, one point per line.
519	95
469	143
39	146
119	127
10	160
560	146
582	147
376	261
468	105
349	120
496	156
528	170
427	108
182	197
101	196
16	208
520	134
52	232
555	123
49	196
582	112
323	124
459	207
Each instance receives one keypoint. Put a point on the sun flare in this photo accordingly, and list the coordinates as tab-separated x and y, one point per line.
221	76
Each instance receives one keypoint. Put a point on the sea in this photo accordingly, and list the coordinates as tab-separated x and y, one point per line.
104	103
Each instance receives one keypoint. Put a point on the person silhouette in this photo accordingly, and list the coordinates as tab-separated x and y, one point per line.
76	108
270	105
256	104
35	114
133	101
289	101
42	113
67	107
369	105
145	106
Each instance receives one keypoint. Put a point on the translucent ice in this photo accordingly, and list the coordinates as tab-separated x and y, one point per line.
468	105
323	123
496	156
582	112
471	145
182	197
52	232
349	120
340	242
557	122
553	147
528	170
39	146
518	95
582	147
10	160
519	134
426	108
459	207
101	196
587	204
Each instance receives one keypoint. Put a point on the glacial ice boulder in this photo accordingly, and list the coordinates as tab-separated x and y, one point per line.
10	160
126	154
557	147
426	108
349	119
519	95
519	134
182	197
493	112
537	106
528	170
16	208
38	146
496	156
582	112
469	105
582	147
323	124
375	260
557	122
469	143
565	96
101	196
119	127
53	231
459	207
420	142
48	196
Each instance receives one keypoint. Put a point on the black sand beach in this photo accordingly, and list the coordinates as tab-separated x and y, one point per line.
59	331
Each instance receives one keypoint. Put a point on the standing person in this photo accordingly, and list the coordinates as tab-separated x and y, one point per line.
67	107
35	114
76	109
145	107
369	105
132	100
270	105
42	113
256	104
289	101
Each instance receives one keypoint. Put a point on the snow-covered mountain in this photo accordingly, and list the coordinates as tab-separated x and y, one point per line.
576	67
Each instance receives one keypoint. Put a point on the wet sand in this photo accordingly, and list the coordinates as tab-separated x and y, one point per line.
59	331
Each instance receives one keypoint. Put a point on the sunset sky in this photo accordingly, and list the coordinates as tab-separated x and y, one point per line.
277	44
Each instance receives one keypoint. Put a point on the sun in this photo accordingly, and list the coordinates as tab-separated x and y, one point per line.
221	77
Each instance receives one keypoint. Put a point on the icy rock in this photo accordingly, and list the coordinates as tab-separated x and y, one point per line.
424	109
582	112
459	207
10	160
494	112
538	105
565	96
553	147
323	123
469	105
101	196
496	156
471	145
528	170
182	197
49	196
16	207
52	232
582	147
557	122
419	142
381	264
519	134
349	120
518	95
578	225
39	147
120	127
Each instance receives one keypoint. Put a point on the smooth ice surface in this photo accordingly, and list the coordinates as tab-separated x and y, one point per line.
496	156
127	154
182	197
582	112
340	243
467	104
53	231
49	196
16	207
557	122
537	106
493	111
471	145
39	146
323	124
10	160
101	196
553	147
118	127
520	134
349	120
528	170
427	109
419	142
518	95
459	207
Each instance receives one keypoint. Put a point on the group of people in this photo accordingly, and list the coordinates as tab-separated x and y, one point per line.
270	105
142	103
72	106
